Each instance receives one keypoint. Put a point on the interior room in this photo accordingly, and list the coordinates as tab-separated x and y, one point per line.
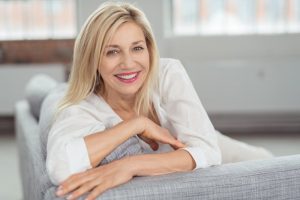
243	58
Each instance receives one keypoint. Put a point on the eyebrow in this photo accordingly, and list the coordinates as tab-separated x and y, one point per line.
117	46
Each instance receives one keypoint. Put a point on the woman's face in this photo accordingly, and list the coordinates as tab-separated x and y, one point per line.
125	63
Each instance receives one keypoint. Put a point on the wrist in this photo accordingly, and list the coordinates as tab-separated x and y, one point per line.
131	165
158	164
139	124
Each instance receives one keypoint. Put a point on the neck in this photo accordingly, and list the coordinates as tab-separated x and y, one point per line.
120	102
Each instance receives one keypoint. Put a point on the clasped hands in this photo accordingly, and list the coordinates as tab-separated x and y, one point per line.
98	180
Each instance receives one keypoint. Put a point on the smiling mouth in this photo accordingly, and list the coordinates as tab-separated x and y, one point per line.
127	77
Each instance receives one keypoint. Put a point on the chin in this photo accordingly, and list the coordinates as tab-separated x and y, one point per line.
129	92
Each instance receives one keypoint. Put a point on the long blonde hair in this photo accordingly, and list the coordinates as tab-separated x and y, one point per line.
88	50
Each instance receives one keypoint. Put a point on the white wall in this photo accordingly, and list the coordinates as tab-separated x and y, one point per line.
248	86
13	80
232	74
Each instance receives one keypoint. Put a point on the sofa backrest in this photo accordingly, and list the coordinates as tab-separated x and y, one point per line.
27	134
36	90
34	177
48	110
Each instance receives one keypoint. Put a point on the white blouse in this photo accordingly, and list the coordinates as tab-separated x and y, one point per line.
177	105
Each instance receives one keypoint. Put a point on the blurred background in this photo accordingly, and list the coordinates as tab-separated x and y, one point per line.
243	57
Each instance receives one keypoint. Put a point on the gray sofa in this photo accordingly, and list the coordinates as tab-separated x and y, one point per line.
276	178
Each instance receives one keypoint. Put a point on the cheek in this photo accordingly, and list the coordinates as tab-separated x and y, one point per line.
106	66
104	71
109	64
146	60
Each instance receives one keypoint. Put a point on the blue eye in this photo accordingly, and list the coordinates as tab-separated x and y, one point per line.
112	52
138	48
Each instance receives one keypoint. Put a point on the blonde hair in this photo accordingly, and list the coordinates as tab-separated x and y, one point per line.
88	50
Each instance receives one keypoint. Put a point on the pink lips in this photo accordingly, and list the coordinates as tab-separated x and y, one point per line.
127	77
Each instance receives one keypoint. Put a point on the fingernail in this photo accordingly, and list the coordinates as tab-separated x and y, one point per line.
69	197
59	191
181	145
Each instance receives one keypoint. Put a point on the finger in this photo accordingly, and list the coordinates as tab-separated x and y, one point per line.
84	189
64	187
96	192
74	182
178	145
145	139
169	139
153	144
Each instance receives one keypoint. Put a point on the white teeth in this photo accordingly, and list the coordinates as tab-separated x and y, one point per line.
130	76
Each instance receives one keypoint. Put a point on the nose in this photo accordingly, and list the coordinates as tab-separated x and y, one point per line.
127	60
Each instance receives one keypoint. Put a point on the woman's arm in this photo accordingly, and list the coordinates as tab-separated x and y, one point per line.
158	164
115	136
100	144
72	149
102	178
186	115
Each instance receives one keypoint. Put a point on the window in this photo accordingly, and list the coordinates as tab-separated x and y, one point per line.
209	17
37	19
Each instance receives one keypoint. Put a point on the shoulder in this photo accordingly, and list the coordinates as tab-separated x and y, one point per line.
169	63
171	72
88	106
170	67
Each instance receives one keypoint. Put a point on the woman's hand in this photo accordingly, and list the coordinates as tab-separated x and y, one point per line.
95	180
152	133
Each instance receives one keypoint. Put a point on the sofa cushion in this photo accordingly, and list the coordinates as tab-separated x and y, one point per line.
36	90
276	179
48	110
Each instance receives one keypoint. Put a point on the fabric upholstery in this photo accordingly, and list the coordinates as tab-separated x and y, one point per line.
36	90
48	109
277	178
34	178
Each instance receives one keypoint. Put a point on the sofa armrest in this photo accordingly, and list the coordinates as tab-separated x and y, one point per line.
276	178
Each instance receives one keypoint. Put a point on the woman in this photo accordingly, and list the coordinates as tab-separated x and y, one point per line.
128	114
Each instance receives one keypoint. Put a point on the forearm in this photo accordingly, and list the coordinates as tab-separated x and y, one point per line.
100	144
157	164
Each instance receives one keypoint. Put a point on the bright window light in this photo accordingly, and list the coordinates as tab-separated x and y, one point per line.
210	17
37	19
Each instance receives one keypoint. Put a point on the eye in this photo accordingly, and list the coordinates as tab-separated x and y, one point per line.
112	52
138	48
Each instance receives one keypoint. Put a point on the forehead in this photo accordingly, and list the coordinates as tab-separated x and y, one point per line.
127	33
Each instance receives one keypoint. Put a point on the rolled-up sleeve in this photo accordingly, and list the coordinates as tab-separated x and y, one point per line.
66	149
187	116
